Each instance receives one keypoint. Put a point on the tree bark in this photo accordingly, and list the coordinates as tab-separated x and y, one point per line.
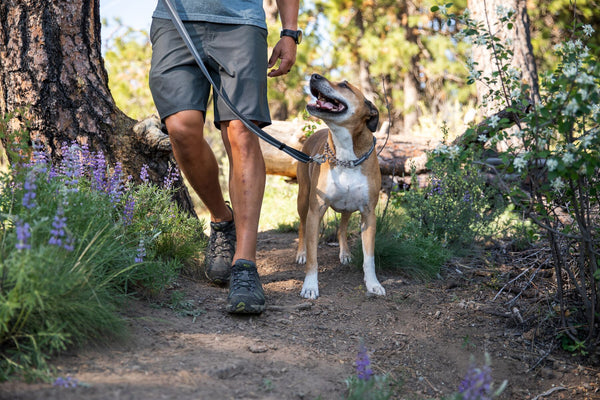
523	59
52	77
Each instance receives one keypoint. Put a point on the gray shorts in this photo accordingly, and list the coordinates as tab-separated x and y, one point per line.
235	56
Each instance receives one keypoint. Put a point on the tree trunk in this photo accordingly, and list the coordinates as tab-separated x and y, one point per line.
411	91
486	12
52	77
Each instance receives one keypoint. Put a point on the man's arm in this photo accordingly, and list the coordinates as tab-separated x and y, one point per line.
285	49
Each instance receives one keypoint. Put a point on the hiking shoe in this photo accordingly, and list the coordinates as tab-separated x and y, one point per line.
246	294
219	252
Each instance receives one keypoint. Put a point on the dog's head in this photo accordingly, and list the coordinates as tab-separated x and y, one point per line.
341	104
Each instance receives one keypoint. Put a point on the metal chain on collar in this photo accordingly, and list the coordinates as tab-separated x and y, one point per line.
329	156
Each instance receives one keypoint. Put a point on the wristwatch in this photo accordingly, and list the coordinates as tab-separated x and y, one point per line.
296	35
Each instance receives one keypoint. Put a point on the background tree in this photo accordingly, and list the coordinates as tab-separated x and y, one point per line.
52	77
517	36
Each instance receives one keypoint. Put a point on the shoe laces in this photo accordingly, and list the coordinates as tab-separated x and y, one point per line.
222	239
243	278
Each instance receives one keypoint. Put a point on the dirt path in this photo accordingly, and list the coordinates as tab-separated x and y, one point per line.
423	335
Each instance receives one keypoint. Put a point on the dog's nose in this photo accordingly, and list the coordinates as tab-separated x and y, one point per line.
316	76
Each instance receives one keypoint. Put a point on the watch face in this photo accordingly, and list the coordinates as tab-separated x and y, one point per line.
298	37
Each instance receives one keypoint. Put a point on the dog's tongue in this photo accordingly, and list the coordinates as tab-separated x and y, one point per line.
325	104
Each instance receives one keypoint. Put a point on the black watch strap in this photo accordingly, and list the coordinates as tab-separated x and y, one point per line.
296	35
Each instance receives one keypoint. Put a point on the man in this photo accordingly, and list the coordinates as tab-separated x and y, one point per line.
230	35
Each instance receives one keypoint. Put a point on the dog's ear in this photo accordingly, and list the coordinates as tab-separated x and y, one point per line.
373	121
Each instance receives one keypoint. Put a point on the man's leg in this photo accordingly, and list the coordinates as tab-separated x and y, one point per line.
197	161
246	189
246	184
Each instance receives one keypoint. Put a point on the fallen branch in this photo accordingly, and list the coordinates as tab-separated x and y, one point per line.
549	392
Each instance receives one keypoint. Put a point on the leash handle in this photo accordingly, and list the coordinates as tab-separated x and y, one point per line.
297	154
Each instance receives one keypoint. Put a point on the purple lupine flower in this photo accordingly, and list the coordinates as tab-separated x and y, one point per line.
171	177
144	174
23	235
67	382
436	187
363	364
128	210
39	157
59	236
71	166
58	228
114	186
98	166
477	384
467	197
29	186
86	157
141	252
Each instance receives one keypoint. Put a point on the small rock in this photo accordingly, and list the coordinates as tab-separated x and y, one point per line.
258	348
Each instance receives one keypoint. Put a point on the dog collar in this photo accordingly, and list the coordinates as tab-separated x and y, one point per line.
329	156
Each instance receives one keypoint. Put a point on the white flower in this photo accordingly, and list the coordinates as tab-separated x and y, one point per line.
493	121
482	138
552	164
584	78
520	162
572	107
514	73
568	158
561	96
441	149
558	47
595	110
453	152
558	184
588	30
504	12
583	93
515	93
570	70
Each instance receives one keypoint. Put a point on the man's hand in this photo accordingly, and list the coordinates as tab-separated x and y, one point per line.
284	50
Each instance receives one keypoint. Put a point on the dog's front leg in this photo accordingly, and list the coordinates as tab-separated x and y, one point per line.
310	288
368	229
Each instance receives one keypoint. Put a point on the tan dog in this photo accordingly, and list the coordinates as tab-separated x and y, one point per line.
339	183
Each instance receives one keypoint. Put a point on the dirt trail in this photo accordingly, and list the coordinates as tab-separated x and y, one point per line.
423	335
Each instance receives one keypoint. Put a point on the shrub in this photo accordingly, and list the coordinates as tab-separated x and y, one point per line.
554	152
76	239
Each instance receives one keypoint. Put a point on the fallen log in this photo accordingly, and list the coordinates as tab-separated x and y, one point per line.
397	157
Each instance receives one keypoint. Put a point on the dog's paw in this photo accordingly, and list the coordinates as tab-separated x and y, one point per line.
301	257
308	293
345	257
376	289
310	288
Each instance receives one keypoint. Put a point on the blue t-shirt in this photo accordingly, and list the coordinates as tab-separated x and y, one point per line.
245	12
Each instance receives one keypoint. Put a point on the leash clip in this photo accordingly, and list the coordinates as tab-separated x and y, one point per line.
318	159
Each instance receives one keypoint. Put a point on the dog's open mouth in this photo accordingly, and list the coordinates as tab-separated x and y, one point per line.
327	104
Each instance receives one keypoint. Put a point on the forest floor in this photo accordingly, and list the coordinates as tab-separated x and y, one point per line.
424	335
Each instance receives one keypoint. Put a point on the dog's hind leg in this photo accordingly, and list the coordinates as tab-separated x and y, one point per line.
343	238
368	229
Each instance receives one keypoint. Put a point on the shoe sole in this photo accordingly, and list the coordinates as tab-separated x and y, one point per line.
219	280
243	308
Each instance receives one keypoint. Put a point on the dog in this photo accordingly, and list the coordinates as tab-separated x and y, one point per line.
337	182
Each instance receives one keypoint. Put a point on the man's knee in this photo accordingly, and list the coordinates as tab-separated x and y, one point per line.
185	124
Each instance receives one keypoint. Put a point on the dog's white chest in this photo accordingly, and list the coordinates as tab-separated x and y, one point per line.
347	189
